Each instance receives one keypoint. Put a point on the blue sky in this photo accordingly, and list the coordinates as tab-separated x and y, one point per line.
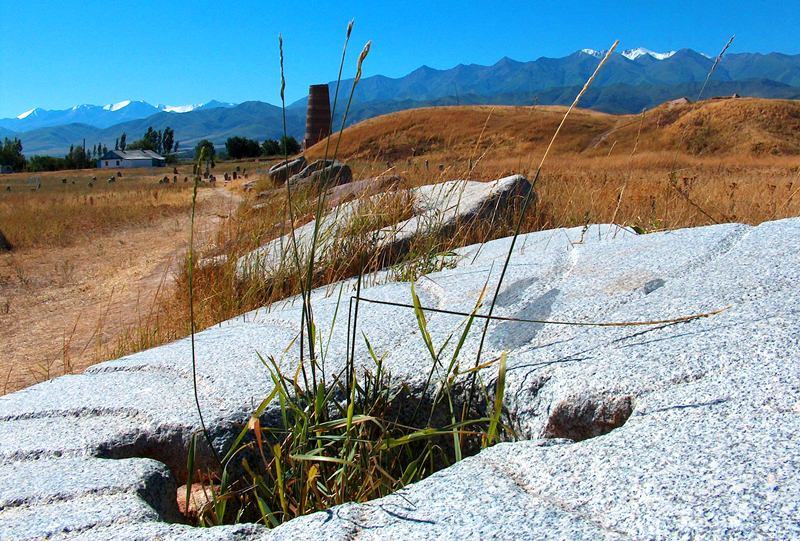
55	54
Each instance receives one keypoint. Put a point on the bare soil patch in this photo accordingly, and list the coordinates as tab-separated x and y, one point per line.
62	308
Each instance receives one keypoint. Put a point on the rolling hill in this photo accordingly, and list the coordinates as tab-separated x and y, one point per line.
744	126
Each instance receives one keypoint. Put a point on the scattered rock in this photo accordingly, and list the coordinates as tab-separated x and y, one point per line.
331	171
281	171
199	497
212	261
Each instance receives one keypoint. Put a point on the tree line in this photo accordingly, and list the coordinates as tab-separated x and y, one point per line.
242	147
160	141
81	156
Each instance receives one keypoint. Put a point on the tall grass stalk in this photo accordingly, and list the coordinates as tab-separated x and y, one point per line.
289	204
682	138
190	272
308	315
324	188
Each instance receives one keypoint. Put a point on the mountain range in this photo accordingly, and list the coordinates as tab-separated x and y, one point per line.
99	116
632	80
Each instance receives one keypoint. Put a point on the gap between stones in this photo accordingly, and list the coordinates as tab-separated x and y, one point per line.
578	418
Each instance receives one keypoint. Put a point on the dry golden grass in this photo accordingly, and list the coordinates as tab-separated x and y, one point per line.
647	171
674	166
736	128
87	264
651	190
62	214
466	131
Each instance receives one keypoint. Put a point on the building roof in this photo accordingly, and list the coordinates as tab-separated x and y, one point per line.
131	155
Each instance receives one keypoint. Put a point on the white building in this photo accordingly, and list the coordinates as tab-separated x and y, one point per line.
131	158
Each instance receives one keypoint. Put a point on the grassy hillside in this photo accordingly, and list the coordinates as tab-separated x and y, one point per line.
745	126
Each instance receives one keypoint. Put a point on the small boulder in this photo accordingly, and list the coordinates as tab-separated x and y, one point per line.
281	171
199	497
331	172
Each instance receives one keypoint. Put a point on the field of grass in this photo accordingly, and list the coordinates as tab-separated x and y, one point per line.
635	170
88	262
61	214
672	167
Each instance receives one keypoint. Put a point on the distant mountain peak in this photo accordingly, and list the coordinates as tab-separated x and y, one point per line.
506	61
116	106
28	113
178	108
633	54
592	52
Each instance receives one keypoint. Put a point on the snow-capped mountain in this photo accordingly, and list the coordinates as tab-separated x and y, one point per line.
99	116
592	52
632	54
28	113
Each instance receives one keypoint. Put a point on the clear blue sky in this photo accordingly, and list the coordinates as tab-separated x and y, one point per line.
58	53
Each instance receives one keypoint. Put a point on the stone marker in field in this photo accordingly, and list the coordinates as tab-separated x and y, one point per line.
659	431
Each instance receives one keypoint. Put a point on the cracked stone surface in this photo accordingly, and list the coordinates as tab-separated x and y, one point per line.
675	430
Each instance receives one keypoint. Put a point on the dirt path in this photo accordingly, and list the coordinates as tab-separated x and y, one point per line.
60	307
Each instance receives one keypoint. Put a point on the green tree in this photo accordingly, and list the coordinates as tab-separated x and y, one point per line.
46	163
289	145
11	154
242	147
78	158
210	150
150	139
270	147
122	140
167	140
